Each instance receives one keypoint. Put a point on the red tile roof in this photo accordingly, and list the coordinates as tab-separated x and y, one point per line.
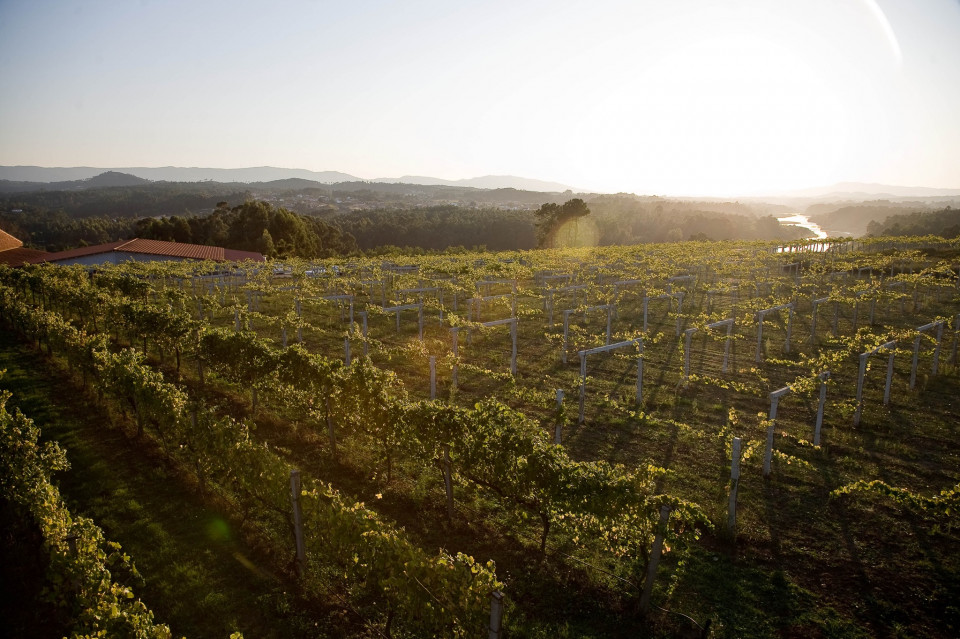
233	255
20	256
156	247
8	241
80	252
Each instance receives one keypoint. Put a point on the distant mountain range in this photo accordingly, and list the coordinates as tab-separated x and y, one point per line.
32	178
864	190
38	174
484	182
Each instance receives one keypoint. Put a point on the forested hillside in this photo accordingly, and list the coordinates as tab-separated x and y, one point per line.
293	218
252	226
945	223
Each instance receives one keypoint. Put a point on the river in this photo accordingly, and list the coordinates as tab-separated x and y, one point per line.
804	222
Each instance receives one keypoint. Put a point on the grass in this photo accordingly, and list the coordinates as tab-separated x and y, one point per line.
200	579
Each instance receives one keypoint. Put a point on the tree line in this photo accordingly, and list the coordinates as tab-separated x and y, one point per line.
280	233
253	226
945	223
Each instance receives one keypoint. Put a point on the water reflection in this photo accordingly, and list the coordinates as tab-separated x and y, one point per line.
804	222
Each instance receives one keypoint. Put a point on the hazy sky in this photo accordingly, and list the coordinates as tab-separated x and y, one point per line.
660	96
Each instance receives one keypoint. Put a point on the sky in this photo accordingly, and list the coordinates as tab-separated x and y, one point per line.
678	97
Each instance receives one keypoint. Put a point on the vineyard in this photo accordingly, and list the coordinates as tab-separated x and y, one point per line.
688	439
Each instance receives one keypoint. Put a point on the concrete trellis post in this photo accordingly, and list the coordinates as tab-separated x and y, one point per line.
477	301
654	559
566	334
768	451
566	325
363	331
760	315
407	307
935	365
678	279
617	286
419	292
666	296
512	321
863	370
513	350
603	349
916	350
341	299
680	297
583	382
433	377
813	322
729	323
552	293
496	616
346	351
824	376
688	334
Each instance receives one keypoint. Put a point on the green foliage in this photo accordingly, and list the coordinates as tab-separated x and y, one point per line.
253	226
438	228
222	452
83	570
942	507
551	218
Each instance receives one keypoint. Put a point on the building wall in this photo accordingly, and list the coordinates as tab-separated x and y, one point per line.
116	257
